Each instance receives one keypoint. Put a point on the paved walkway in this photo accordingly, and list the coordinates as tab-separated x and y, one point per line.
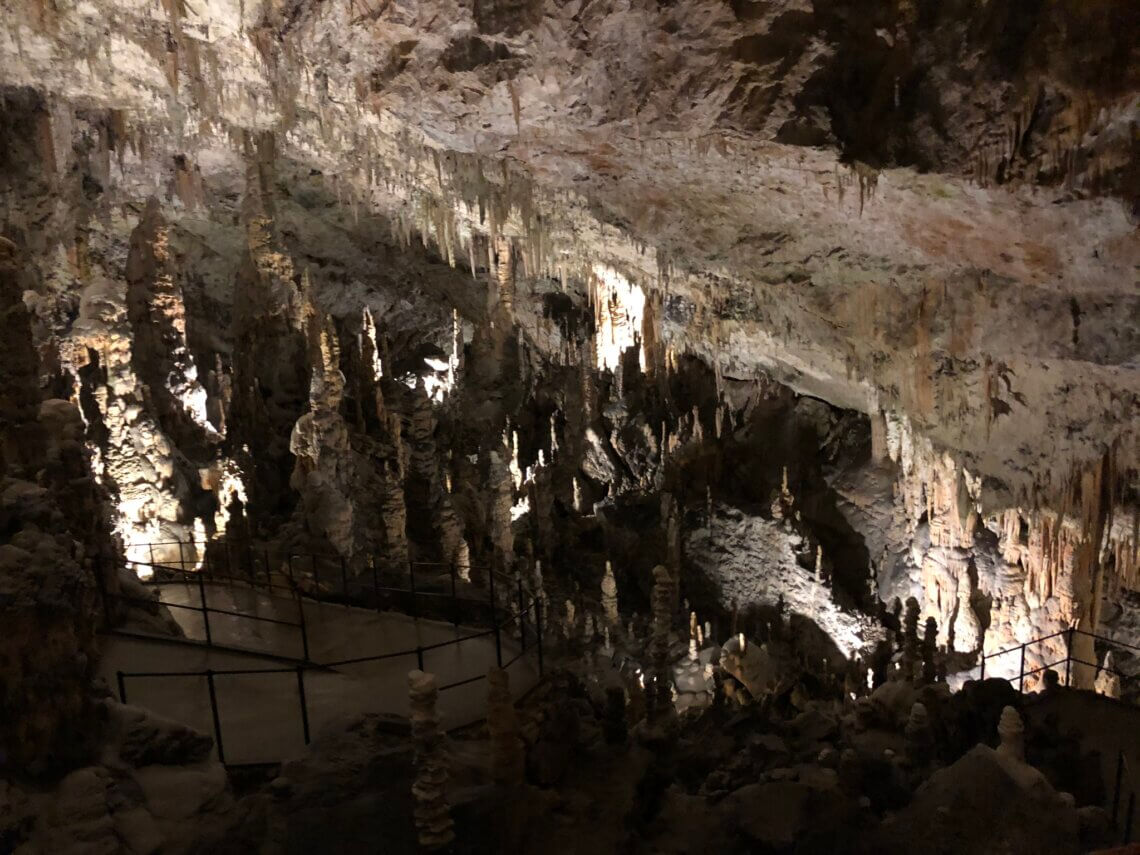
260	714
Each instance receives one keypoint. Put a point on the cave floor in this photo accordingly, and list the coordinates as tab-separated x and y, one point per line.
260	714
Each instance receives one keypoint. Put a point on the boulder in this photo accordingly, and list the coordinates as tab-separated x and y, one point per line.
147	739
174	792
985	803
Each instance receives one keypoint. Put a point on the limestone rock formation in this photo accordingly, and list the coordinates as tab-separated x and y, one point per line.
432	814
507	760
609	597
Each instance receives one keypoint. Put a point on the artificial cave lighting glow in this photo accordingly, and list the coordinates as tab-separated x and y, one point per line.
193	398
520	508
369	327
619	310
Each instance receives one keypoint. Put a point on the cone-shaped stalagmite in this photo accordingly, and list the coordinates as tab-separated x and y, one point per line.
930	651
609	597
910	654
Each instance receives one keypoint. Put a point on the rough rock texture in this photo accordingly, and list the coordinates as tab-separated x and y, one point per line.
48	603
153	788
924	213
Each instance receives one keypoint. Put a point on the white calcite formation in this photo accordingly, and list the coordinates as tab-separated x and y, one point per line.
319	442
610	597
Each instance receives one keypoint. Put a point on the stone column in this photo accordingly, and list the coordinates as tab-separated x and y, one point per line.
434	825
1011	731
507	760
659	694
609	597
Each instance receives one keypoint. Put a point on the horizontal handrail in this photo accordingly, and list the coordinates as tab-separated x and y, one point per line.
242	615
1018	647
502	588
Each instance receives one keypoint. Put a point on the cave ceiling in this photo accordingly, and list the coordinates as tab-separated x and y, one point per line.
927	209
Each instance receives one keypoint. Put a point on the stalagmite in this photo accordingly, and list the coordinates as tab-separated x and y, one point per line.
910	639
424	481
609	596
1011	731
395	517
919	745
507	760
159	351
929	651
501	499
434	825
661	608
320	441
1107	680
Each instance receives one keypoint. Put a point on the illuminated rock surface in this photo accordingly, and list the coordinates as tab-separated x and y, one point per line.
816	320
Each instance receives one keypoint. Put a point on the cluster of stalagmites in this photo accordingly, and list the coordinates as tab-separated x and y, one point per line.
1050	573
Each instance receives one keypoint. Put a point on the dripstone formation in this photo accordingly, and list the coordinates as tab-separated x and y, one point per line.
357	334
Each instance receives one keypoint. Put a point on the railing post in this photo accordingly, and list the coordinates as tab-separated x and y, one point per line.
522	612
101	583
122	679
1128	819
498	644
420	658
1021	674
491	589
538	629
1116	786
344	579
205	609
375	583
316	577
304	631
412	587
217	718
304	704
454	599
982	673
150	546
1069	656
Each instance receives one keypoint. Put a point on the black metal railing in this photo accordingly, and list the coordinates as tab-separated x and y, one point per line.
353	592
419	651
1124	781
1068	661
